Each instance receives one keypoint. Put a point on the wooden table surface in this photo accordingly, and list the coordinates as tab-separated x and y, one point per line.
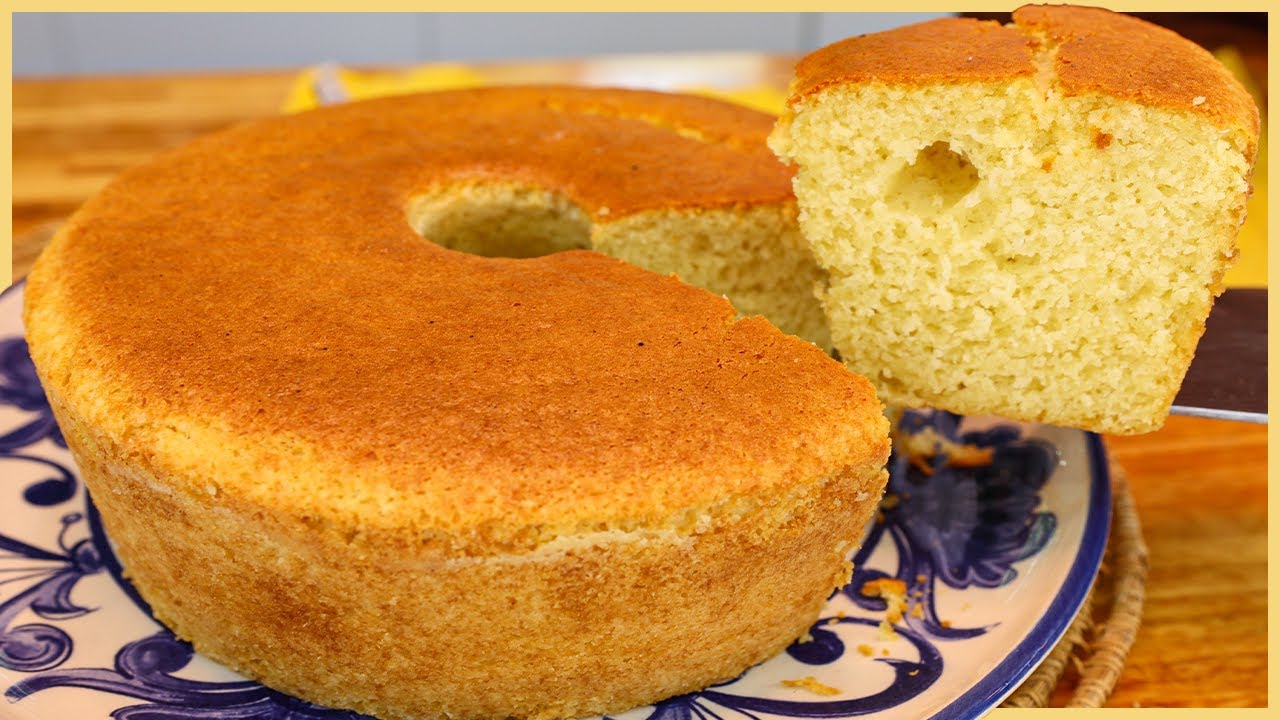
1200	485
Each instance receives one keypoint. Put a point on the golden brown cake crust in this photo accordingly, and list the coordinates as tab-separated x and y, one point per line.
265	279
600	626
938	51
1107	53
1096	52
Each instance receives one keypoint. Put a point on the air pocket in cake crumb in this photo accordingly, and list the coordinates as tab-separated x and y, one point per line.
935	181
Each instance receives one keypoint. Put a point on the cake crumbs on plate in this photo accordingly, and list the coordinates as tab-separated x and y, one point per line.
923	446
893	591
920	463
812	685
968	456
866	650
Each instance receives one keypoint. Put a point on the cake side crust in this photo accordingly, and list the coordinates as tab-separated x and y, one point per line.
600	623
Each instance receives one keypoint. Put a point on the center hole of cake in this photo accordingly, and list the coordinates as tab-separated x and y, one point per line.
500	220
936	180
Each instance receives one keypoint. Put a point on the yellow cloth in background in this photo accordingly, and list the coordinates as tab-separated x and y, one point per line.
1249	271
366	85
760	97
359	85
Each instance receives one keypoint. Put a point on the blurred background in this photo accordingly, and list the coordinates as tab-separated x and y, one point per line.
94	93
99	43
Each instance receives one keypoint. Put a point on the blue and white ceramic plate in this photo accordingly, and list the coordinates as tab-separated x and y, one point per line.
995	560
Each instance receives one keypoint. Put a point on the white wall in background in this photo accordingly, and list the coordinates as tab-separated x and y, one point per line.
476	36
34	49
120	42
838	26
90	43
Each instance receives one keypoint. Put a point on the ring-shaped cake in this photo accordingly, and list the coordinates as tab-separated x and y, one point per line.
387	475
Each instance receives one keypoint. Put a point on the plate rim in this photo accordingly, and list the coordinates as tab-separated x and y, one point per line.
1027	655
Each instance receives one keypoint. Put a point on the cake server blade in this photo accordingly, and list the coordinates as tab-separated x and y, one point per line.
1228	377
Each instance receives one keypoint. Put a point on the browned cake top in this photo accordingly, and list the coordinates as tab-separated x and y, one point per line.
265	279
937	51
1102	52
1095	51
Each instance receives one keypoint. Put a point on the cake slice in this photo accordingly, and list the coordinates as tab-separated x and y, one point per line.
1030	220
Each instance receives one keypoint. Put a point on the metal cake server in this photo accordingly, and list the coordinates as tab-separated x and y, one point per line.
1228	377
